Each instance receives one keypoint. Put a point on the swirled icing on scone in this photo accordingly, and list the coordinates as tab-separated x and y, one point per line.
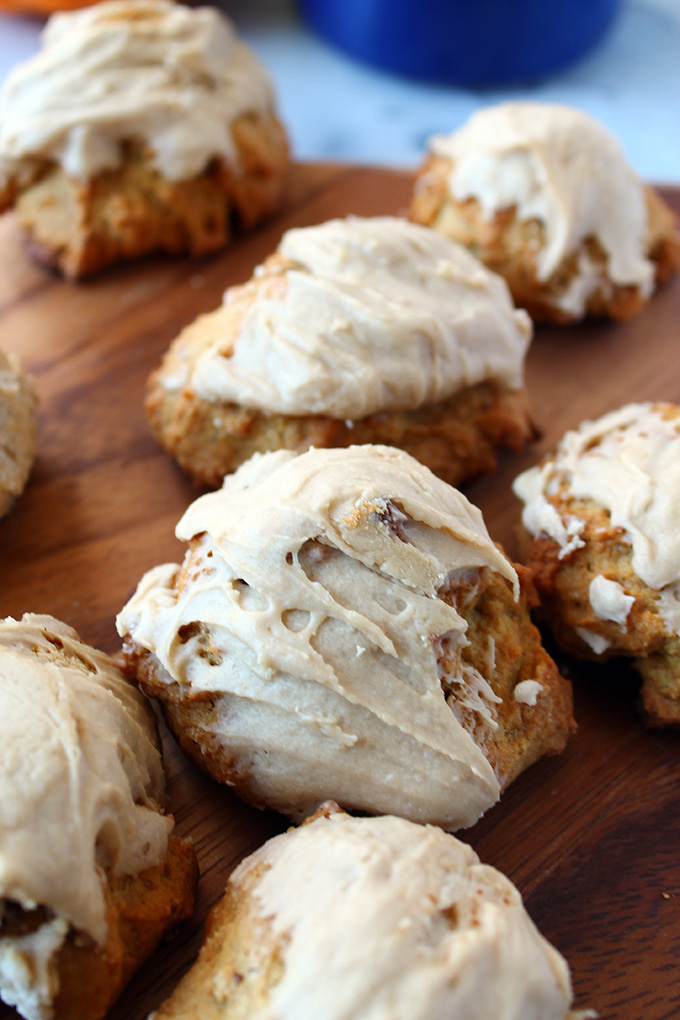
152	70
544	195
81	819
602	515
331	633
355	330
140	126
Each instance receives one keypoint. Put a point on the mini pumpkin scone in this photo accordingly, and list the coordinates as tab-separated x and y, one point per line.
371	918
355	331
141	126
17	429
343	627
544	195
602	517
91	876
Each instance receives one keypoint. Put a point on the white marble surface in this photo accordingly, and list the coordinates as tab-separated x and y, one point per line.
339	109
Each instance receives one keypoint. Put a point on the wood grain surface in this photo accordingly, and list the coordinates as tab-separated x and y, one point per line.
592	837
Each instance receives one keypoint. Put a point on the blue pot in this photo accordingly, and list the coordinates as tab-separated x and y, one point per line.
466	42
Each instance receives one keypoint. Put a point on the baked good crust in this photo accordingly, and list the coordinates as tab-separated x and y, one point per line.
488	606
237	944
139	911
508	246
17	429
456	438
80	227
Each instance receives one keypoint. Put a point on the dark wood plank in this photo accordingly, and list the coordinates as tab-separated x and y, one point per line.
589	837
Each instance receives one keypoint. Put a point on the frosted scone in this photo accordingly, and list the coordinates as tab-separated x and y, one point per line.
142	125
354	331
375	918
91	876
17	429
543	195
342	626
602	517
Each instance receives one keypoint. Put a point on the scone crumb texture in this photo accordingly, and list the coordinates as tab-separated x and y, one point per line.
17	428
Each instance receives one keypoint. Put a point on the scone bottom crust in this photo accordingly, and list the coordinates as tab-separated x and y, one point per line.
18	401
78	228
459	439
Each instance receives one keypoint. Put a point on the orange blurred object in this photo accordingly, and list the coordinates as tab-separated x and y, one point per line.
42	6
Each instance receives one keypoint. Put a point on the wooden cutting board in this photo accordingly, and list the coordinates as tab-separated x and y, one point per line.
591	838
